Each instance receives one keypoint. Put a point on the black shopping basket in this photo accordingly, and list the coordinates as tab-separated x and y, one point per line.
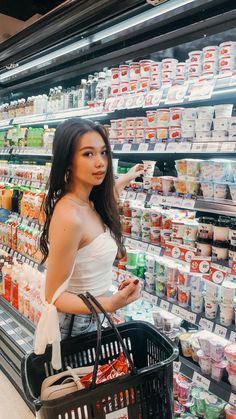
145	393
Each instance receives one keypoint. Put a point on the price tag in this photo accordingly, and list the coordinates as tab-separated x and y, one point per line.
141	196
142	246
232	337
184	146
220	331
126	148
20	342
153	98
191	317
156	250
143	148
233	80
206	324
172	147
211	147
229	146
10	332
177	201
202	90
232	399
176	310
197	148
156	199
131	195
176	93
159	148
177	366
123	194
201	381
165	305
188	203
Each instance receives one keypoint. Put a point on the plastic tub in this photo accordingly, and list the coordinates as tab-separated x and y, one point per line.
203	124
189	114
221	124
205	112
188	124
206	170
181	167
207	189
223	111
220	190
204	362
203	136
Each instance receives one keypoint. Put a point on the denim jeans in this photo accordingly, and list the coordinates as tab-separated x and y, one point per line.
83	323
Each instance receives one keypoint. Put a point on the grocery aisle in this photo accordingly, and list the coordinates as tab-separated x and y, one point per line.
12	405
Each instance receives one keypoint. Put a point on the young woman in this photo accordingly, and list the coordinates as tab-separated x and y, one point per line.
81	236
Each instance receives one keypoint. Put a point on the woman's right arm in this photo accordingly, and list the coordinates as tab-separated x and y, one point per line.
65	237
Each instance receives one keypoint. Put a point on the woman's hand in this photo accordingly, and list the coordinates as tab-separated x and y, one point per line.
128	292
135	171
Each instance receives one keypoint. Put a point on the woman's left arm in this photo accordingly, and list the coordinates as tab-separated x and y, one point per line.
124	180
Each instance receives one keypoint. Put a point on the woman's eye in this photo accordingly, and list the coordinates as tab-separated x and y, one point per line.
89	154
104	152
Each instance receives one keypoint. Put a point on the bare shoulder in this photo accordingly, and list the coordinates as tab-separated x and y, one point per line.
66	215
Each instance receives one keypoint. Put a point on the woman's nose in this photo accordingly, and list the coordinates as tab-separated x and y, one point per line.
99	162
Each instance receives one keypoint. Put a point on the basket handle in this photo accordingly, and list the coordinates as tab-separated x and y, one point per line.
99	337
115	329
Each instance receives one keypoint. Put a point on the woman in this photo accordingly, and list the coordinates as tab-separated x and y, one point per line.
83	229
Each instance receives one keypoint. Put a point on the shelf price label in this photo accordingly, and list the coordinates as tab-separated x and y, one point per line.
177	310
165	305
206	324
220	331
131	195
232	399
177	366
177	93
191	317
202	90
149	297
201	381
159	148
154	249
141	196
126	148
143	148
142	246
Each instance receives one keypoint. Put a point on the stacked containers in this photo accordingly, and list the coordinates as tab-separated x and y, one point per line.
227	55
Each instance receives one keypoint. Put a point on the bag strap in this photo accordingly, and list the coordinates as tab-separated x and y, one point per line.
99	337
115	329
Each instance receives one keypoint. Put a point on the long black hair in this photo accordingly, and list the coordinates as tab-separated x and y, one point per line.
65	143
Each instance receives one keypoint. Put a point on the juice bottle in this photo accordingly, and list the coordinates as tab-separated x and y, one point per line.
7	280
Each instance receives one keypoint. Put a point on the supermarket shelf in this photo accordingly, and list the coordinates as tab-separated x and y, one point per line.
224	207
16	341
186	314
26	323
193	372
24	258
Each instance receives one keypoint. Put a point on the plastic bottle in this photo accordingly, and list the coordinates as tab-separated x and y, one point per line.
81	95
94	86
100	89
7	280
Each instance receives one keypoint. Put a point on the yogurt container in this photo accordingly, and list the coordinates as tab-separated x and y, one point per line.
193	168
145	68
206	170
223	111
183	295
195	56
205	227
230	412
175	116
220	251
115	75
203	136
217	347
204	112
217	369
232	233
232	255
174	132
221	230
203	124
130	123
222	170
188	135
162	133
207	189
140	122
181	167
195	68
180	186
230	353
226	314
210	66
211	307
227	48
231	377
227	292
169	64
232	123
151	119
197	302
189	114
192	186
204	362
185	341
204	246
219	135
220	190
134	71
190	230
163	117
221	124
177	228
151	134
210	53
188	124
180	69
124	73
227	62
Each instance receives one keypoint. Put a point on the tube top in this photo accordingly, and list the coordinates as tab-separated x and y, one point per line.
92	271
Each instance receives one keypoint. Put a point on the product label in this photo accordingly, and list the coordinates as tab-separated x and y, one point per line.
232	399
206	324
153	98
217	274
220	331
177	366
201	381
200	264
165	305
179	252
202	90
177	93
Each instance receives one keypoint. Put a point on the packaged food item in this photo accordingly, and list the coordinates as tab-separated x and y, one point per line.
175	116
180	185
221	124
232	255
211	307
203	136
195	56
163	117
232	233
221	230
217	370
197	302
204	362
207	189
226	314
145	68
227	48
183	295
174	132
181	167
149	167
204	112
228	292
203	124
188	125
189	114
230	412
152	119
185	341
210	53
193	168
232	188
220	190
205	227
190	230
220	251
162	133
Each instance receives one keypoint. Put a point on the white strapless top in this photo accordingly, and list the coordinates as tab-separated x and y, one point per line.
92	271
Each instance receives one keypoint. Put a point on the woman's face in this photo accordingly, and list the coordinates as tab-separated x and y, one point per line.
90	162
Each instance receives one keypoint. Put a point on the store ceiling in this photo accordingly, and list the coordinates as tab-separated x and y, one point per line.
25	9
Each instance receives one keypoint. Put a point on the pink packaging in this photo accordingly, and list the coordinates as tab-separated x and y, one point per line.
217	347
144	83
169	64
121	123
151	119
175	116
204	341
121	132
230	353
195	56
155	80
167	76
145	68
124	73
174	132
115	75
217	369
134	71
204	362
210	53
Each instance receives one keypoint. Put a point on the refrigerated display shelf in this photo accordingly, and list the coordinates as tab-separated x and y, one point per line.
24	258
220	389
